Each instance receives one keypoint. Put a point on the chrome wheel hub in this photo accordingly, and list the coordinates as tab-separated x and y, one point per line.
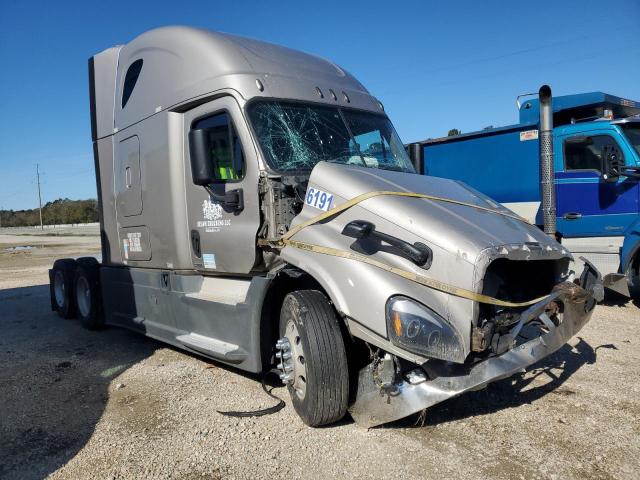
292	366
83	296
58	288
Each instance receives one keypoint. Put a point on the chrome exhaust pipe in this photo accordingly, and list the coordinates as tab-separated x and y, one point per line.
547	175
416	154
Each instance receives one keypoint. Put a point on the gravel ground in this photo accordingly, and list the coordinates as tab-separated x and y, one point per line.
76	404
26	256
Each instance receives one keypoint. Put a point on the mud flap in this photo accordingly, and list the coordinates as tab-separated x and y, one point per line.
51	292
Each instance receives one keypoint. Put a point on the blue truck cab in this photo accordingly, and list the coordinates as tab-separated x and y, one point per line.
596	143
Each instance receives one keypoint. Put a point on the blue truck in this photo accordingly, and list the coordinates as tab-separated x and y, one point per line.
595	175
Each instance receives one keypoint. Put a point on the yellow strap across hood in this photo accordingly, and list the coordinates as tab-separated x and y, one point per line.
285	240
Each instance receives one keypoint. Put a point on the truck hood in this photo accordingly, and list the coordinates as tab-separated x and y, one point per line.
464	242
455	228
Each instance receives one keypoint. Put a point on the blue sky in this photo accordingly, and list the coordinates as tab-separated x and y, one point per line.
435	65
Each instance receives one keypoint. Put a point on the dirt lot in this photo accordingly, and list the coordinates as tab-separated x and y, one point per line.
78	404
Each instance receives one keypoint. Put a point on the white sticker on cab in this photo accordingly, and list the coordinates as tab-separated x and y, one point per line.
528	135
318	199
209	260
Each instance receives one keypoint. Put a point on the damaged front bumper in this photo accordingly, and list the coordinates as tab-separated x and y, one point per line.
376	404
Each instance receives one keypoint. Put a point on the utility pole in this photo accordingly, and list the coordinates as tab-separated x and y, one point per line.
39	194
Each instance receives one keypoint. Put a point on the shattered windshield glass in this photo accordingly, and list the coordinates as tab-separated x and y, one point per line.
296	136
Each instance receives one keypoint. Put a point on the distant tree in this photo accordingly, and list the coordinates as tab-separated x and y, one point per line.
60	211
488	127
453	132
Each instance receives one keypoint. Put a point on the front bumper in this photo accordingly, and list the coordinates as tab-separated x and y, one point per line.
375	406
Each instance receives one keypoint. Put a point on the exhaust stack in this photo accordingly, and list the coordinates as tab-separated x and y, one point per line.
547	176
416	154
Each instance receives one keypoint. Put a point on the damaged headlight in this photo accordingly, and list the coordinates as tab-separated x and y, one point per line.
420	330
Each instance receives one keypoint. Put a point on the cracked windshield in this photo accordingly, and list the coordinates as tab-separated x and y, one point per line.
296	136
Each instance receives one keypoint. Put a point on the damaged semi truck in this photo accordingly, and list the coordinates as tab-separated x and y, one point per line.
258	208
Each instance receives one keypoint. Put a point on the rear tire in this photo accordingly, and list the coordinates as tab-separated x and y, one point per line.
320	392
61	285
87	293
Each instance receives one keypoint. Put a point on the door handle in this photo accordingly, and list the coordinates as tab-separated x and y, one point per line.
195	243
572	216
127	177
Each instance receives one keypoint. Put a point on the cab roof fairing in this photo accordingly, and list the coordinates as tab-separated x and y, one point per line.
181	64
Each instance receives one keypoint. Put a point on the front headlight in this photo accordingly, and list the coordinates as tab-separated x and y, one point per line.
420	330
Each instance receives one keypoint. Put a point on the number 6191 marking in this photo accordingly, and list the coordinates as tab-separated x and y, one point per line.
318	199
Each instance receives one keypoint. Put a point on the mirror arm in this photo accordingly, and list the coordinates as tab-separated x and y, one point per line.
233	199
418	253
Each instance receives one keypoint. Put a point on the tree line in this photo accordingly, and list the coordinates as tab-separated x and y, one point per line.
60	211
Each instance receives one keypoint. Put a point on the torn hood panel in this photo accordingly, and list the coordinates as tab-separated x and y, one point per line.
459	229
464	240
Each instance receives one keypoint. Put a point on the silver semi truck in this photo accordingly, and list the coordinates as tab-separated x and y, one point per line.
258	208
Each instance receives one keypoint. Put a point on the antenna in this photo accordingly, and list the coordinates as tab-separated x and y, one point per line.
39	194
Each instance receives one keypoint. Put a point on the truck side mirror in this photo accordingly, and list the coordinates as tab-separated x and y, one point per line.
611	163
358	229
202	165
203	170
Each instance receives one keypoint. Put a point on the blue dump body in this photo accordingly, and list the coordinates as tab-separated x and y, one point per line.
490	161
503	163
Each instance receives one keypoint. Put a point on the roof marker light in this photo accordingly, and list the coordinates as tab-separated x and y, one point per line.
319	92
259	85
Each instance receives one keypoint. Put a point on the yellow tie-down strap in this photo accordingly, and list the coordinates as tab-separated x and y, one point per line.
285	240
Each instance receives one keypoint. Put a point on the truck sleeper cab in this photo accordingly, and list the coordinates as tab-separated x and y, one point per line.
596	143
258	208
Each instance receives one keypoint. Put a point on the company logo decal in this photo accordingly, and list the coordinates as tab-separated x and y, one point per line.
212	213
210	210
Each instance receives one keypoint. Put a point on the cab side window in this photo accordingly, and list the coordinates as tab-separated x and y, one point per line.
225	148
588	153
130	80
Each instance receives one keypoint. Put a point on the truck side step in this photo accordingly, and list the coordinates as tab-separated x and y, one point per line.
212	347
227	291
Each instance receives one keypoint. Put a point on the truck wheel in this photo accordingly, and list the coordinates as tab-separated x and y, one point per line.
61	281
90	262
320	382
633	276
87	293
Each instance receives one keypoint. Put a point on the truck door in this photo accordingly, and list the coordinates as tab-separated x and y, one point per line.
587	204
223	239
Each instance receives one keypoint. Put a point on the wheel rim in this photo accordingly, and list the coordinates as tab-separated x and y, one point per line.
299	360
83	296
58	288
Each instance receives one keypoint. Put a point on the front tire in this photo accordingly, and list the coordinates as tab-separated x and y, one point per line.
633	277
61	287
320	388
